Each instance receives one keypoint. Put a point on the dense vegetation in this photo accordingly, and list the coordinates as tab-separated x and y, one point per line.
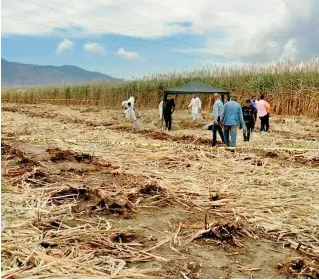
291	89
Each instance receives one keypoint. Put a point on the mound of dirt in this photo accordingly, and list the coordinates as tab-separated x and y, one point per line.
69	194
190	139
308	159
112	203
152	189
63	155
229	233
159	135
222	232
36	177
123	237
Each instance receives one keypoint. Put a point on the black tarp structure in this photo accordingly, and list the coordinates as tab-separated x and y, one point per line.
195	88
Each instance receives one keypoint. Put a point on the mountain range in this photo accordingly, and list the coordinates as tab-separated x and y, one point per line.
19	74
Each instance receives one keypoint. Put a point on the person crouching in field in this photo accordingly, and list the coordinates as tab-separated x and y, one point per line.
232	118
129	111
249	118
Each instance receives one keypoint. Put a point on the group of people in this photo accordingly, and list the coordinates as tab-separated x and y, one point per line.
167	107
228	117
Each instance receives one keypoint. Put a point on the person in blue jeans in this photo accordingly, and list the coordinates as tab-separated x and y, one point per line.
232	118
218	110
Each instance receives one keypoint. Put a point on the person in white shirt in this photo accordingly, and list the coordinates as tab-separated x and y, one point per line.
262	114
196	107
199	103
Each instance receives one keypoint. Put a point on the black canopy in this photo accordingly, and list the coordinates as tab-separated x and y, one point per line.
196	88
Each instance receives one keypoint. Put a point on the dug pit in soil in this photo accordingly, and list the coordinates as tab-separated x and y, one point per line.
62	155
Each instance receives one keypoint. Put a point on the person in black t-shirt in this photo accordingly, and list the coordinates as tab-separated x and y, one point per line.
249	118
169	108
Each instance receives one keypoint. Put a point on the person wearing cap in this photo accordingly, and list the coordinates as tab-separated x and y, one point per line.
232	118
218	110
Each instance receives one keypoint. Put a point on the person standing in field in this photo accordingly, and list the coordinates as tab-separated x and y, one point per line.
168	110
253	101
261	106
249	118
160	109
268	109
232	118
253	105
160	105
196	105
218	110
199	104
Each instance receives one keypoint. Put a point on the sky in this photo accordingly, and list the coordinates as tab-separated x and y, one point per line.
132	38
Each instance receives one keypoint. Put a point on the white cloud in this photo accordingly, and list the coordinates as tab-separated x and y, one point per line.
94	48
127	54
288	36
65	45
243	31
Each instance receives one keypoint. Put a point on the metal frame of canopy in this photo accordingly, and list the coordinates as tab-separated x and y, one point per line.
194	88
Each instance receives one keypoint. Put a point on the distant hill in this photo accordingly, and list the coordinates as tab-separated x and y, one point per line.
18	74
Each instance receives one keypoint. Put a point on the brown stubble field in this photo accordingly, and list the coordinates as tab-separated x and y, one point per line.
83	195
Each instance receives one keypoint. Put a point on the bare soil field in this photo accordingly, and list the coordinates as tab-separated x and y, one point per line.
85	196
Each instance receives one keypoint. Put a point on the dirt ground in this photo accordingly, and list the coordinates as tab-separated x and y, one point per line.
84	195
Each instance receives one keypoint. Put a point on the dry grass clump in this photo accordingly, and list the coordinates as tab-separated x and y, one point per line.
300	268
229	233
57	241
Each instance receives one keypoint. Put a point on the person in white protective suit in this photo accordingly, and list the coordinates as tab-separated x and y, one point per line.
129	108
125	107
160	109
196	107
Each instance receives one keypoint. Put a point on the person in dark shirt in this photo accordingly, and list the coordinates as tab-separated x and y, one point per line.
168	110
249	118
